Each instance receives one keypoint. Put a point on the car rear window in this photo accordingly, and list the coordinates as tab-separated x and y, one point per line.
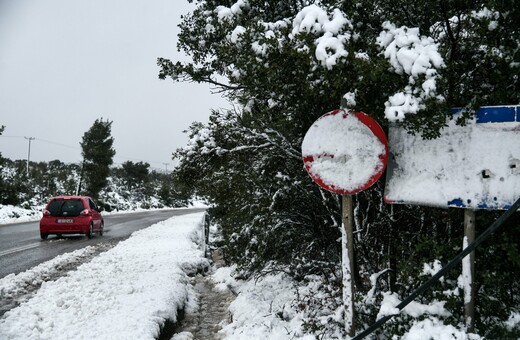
65	207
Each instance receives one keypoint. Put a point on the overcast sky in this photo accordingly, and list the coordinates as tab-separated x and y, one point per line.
66	63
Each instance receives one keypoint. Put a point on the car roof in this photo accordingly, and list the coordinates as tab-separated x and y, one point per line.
69	197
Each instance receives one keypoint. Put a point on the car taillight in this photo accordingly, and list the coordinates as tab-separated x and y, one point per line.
46	212
85	212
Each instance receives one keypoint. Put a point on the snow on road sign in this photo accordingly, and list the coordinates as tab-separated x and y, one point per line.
345	152
476	166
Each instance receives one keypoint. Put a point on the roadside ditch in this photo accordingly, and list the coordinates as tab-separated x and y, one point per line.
212	313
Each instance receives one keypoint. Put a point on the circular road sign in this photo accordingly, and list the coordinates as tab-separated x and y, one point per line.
345	152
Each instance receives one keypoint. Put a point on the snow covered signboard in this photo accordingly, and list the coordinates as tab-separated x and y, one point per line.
345	152
476	166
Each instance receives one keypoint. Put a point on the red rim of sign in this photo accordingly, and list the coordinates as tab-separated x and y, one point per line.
376	130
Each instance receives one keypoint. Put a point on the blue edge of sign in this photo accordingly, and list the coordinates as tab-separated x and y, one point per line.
459	203
495	114
490	114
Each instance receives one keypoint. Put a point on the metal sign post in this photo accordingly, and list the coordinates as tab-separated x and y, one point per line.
347	249
346	152
468	270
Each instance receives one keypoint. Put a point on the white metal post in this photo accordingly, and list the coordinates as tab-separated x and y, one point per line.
347	241
468	270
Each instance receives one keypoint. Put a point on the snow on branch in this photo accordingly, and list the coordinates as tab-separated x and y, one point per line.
414	55
228	13
314	19
330	46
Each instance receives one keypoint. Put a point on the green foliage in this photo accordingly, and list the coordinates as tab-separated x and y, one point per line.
12	183
5	191
135	174
98	156
44	181
498	295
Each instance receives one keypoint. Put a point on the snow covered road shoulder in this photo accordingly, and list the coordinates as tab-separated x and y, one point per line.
127	292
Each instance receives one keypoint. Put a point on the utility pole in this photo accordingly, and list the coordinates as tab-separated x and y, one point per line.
29	153
166	167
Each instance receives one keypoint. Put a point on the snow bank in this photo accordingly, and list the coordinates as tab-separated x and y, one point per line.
125	293
13	214
12	284
263	308
434	328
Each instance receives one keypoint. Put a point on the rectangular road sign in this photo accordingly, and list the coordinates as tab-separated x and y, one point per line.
475	166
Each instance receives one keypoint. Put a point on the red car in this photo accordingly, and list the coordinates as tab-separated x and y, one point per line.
71	215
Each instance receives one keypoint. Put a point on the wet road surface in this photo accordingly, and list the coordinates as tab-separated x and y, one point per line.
21	247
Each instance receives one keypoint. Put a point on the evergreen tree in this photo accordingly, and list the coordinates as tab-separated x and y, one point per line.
98	156
5	194
13	184
135	174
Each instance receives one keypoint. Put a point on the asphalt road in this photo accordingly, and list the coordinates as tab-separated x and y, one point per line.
21	247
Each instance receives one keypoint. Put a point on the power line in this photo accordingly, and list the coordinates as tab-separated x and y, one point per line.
120	157
59	144
43	140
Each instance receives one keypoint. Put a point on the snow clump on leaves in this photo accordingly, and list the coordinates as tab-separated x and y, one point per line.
330	47
414	55
228	13
201	141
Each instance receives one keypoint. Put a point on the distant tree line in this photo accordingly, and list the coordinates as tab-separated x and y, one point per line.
132	185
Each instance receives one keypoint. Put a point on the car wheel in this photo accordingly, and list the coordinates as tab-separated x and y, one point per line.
90	230
101	229
44	236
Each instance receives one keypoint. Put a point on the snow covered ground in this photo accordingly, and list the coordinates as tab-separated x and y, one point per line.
127	292
267	308
15	214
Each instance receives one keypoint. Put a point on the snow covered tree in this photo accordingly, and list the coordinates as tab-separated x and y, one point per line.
408	63
98	156
7	190
282	64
